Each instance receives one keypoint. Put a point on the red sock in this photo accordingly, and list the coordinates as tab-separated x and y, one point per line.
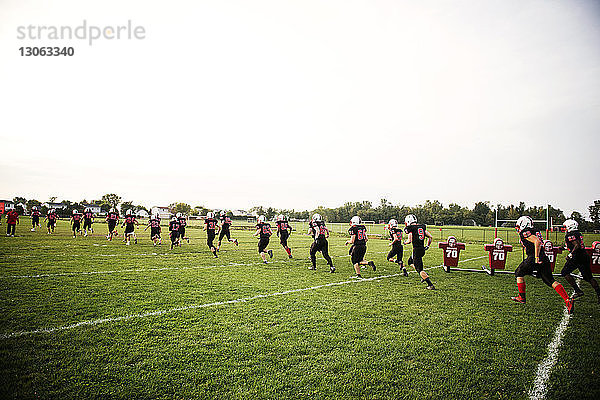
289	251
561	290
521	287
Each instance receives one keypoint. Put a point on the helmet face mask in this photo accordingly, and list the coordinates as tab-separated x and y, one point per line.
355	220
111	210
261	219
178	215
571	225
548	246
410	219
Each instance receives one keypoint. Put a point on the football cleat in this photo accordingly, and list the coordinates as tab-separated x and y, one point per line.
270	253
404	272
518	299
570	304
372	265
332	269
357	276
312	268
430	287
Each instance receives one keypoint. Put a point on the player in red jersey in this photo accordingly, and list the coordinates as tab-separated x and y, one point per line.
129	223
12	219
35	218
51	217
416	235
283	231
112	218
76	223
537	263
358	249
211	226
88	220
225	229
154	225
263	231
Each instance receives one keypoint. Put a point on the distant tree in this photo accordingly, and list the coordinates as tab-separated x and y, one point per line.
127	205
111	199
32	203
200	210
183	208
19	199
482	213
595	213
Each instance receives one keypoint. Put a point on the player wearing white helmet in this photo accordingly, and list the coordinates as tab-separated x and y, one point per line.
88	220
154	225
320	233
263	231
35	218
537	263
283	231
129	223
416	234
577	259
51	217
358	245
182	219
225	231
75	223
174	232
112	218
396	244
211	226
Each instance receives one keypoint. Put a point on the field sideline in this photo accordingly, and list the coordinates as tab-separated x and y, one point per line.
88	318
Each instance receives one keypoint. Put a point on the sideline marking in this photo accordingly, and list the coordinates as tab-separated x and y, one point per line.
196	306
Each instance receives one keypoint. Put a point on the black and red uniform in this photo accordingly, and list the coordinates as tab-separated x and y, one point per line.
174	232
359	246
35	218
418	242
397	247
319	233
182	224
129	224
76	218
12	217
154	224
529	266
579	258
283	231
87	220
225	225
264	235
112	218
211	229
52	218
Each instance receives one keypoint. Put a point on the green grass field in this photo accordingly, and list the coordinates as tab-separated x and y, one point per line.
88	318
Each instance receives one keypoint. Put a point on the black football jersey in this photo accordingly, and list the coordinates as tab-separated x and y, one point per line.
318	229
396	232
225	220
529	246
574	237
360	231
418	235
174	226
88	215
211	224
154	223
265	229
282	226
182	222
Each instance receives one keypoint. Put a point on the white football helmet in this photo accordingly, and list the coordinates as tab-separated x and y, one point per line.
52	211
111	210
222	213
129	212
410	219
87	210
261	219
355	220
524	222
393	223
316	217
34	208
178	215
210	214
74	212
571	225
173	218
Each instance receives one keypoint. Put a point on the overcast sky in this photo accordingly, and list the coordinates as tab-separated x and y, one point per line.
295	104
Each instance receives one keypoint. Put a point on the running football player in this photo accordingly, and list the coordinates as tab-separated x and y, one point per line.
75	223
396	243
12	219
211	226
112	218
537	263
320	233
129	223
416	235
35	218
182	219
263	231
577	259
88	220
51	217
174	232
358	245
225	231
154	225
283	231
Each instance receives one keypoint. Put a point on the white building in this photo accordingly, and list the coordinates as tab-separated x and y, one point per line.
56	206
142	214
95	209
163	212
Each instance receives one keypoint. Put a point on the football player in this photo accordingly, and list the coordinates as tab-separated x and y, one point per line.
51	217
416	235
129	223
35	218
211	226
225	225
283	231
263	231
537	263
396	243
88	220
12	219
75	223
154	225
320	233
174	232
182	219
577	259
112	218
358	249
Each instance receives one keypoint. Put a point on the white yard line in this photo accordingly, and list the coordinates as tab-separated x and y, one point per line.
196	306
